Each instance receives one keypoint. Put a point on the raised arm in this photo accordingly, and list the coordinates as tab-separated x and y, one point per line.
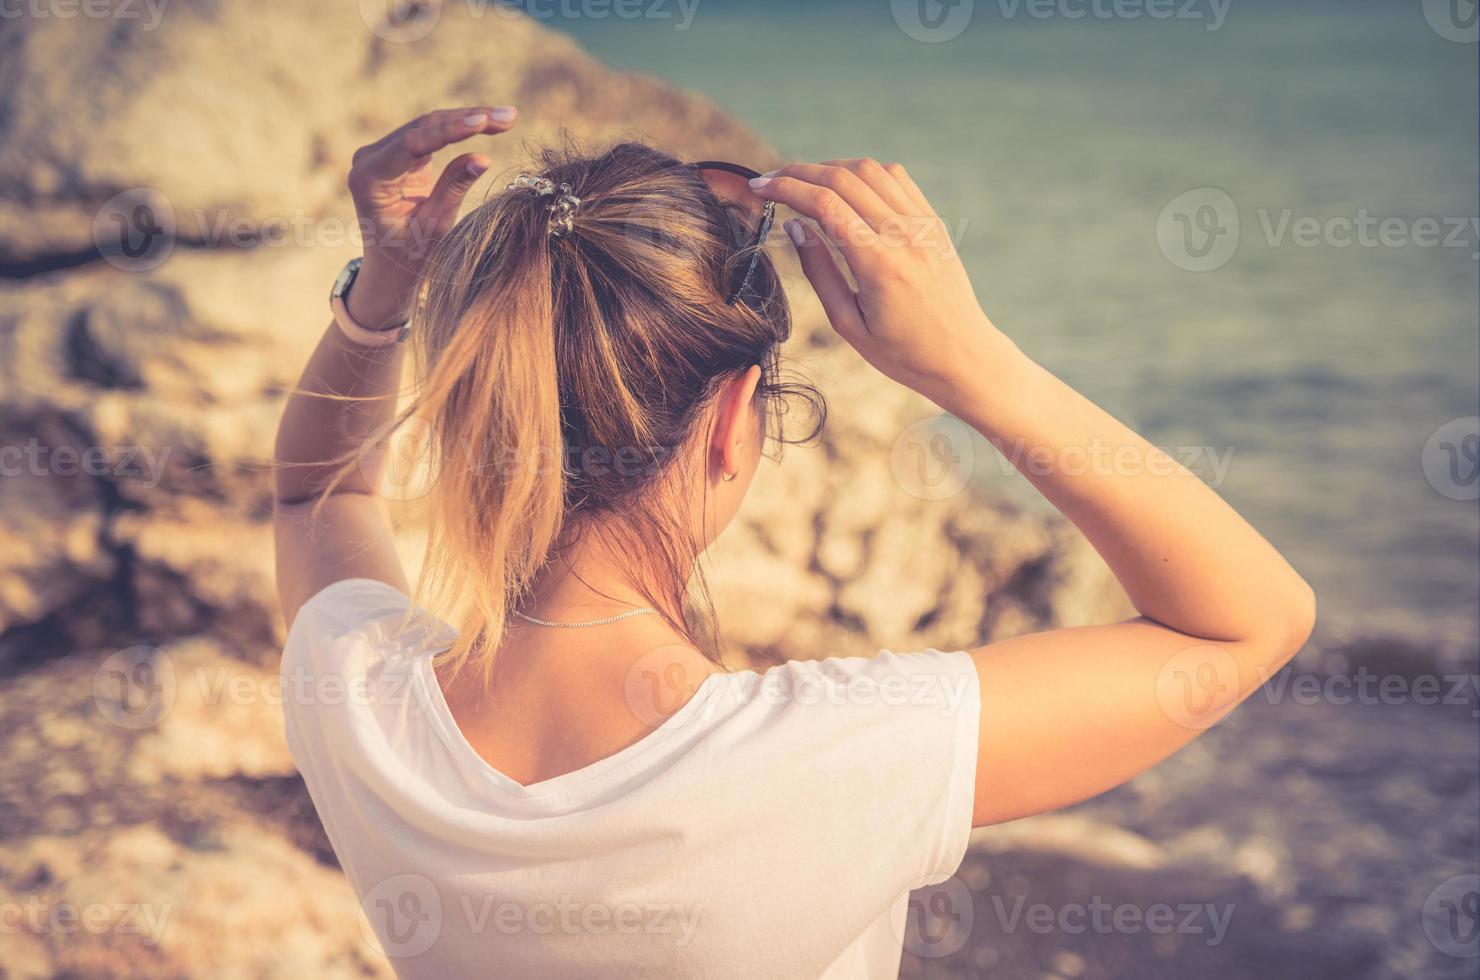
1068	713
348	391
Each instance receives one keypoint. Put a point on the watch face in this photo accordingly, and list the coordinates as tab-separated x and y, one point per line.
345	278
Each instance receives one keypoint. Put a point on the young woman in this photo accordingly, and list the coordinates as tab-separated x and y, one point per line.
567	785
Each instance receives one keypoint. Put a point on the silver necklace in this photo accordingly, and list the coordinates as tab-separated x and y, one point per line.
594	622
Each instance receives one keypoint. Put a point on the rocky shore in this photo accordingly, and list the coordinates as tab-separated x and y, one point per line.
142	768
151	821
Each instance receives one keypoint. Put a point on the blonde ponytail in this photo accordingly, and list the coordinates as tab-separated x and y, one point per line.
538	354
485	347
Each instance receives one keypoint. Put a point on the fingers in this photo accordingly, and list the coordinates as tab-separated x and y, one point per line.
457	179
849	232
839	301
911	189
407	149
848	186
883	182
856	203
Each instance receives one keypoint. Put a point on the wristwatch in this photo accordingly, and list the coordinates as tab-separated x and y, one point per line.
356	332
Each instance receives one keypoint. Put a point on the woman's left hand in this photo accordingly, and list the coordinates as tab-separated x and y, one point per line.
405	208
914	315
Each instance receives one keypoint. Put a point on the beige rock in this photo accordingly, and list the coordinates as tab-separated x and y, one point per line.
1075	835
92	726
137	903
52	528
762	596
279	95
240	119
224	720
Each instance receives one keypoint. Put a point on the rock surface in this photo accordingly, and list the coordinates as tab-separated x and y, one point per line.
140	381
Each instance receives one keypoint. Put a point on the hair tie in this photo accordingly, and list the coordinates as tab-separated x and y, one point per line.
562	209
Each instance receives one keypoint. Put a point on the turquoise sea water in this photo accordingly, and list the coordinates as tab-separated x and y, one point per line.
1053	145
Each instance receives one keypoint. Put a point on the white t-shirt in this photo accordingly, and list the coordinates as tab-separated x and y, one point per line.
772	827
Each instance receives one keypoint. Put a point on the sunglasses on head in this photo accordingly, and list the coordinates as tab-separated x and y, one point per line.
751	218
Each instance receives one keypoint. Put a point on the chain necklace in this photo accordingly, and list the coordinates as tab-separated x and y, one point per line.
594	622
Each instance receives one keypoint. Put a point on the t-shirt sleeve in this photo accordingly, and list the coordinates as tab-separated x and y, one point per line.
332	655
889	747
340	607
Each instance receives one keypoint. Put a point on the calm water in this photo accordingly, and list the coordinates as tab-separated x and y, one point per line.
1053	146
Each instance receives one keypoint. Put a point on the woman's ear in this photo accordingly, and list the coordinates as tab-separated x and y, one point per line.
735	423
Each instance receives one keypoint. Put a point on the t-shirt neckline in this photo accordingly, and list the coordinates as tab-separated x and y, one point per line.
589	778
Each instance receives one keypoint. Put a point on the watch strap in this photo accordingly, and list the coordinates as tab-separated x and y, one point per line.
353	330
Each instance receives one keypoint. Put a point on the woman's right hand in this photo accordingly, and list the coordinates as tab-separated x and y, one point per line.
405	207
914	315
1074	712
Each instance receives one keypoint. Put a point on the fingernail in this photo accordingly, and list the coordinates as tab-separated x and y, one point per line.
771	173
476	168
476	119
759	182
504	113
795	232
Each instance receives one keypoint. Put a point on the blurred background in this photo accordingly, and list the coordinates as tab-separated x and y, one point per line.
1051	146
1247	227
